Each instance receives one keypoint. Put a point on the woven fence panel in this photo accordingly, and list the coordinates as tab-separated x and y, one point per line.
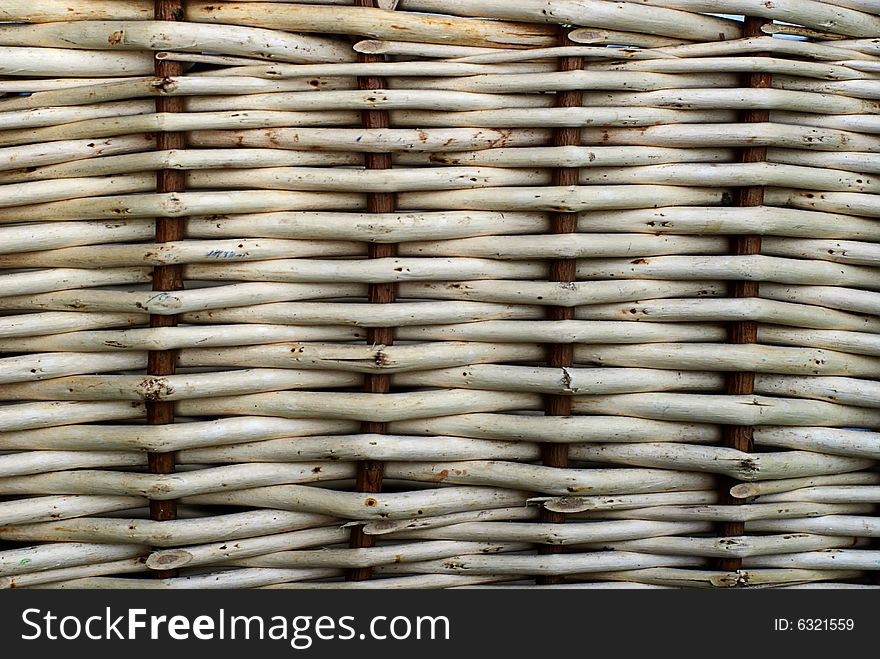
435	293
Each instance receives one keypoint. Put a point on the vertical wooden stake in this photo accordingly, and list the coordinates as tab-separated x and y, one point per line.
738	384
370	472
561	355
168	277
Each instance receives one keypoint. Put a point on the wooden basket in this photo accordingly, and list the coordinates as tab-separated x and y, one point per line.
439	293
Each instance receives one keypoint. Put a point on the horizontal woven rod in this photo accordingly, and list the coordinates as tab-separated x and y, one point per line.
123	307
518	248
185	435
43	462
170	533
731	357
555	534
844	298
594	14
855	342
61	574
166	487
830	559
732	546
686	578
864	162
422	226
372	227
28	61
747	512
719	460
369	557
512	582
865	123
252	381
45	557
215	297
361	447
395	506
579	504
226	94
416	49
856	392
548	564
43	191
812	14
54	116
658	309
764	220
53	508
188	159
571	381
569	156
214	435
815	98
489	78
865	526
171	338
182	204
827	494
808	50
347	20
29	85
444	178
220	579
309	356
347	505
64	234
284	579
659	64
432	140
383	527
745	409
79	127
496	331
736	135
820	98
67	150
708	308
185	251
90	91
747	490
405	582
855	443
245	171
202	58
831	584
275	551
618	37
245	476
176	387
167	35
416	226
419	28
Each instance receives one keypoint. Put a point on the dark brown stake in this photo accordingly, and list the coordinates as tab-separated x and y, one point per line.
561	355
166	277
739	383
370	472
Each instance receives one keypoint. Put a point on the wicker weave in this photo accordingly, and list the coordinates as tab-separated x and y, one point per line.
549	293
